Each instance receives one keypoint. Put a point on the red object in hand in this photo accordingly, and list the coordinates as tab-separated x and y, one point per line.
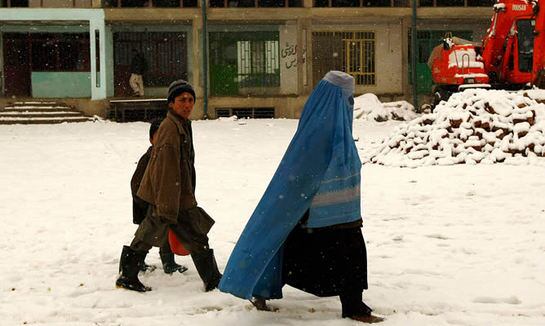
175	245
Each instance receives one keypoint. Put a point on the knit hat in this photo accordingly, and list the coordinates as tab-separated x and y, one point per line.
177	87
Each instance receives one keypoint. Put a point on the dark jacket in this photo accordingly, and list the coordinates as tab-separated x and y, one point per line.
169	185
139	206
139	64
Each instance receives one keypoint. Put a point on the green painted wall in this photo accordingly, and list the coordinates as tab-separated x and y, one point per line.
61	84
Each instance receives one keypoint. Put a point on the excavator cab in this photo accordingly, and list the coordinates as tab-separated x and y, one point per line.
517	63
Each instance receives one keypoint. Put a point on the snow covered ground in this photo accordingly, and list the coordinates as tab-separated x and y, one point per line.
447	245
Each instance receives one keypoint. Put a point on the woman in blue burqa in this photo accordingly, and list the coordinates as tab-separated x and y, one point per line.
306	229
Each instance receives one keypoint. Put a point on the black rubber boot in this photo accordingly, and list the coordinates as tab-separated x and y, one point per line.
142	266
129	266
169	265
206	265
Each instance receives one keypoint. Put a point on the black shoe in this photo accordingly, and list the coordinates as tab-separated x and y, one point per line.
363	314
368	319
169	265
261	304
129	266
206	265
134	285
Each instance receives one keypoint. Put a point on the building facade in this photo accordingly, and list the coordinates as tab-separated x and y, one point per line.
261	58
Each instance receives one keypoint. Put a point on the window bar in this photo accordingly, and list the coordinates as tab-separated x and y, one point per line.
8	3
363	55
330	3
225	3
361	3
181	3
150	3
118	3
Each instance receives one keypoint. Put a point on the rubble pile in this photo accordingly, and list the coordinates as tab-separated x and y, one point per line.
474	126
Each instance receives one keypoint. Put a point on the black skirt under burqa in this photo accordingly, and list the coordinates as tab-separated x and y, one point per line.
326	261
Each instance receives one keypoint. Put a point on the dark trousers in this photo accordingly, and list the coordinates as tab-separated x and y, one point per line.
351	301
143	247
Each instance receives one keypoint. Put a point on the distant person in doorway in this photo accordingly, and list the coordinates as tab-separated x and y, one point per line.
140	208
168	185
139	66
306	229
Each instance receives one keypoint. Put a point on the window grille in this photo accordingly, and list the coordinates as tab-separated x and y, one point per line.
165	53
258	60
253	113
351	52
243	60
254	3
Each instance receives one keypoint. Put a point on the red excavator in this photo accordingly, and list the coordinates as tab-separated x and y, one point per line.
511	56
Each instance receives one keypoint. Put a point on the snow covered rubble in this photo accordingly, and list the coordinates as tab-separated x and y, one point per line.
474	126
369	107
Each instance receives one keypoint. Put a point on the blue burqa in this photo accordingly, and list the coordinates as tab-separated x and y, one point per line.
319	173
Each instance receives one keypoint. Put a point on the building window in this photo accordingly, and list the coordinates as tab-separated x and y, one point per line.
255	3
351	52
150	3
457	3
361	3
165	54
60	52
257	63
242	60
252	113
13	3
481	3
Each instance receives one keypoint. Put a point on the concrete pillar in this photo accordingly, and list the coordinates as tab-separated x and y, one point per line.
194	61
99	80
109	57
405	28
303	38
307	81
1	64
